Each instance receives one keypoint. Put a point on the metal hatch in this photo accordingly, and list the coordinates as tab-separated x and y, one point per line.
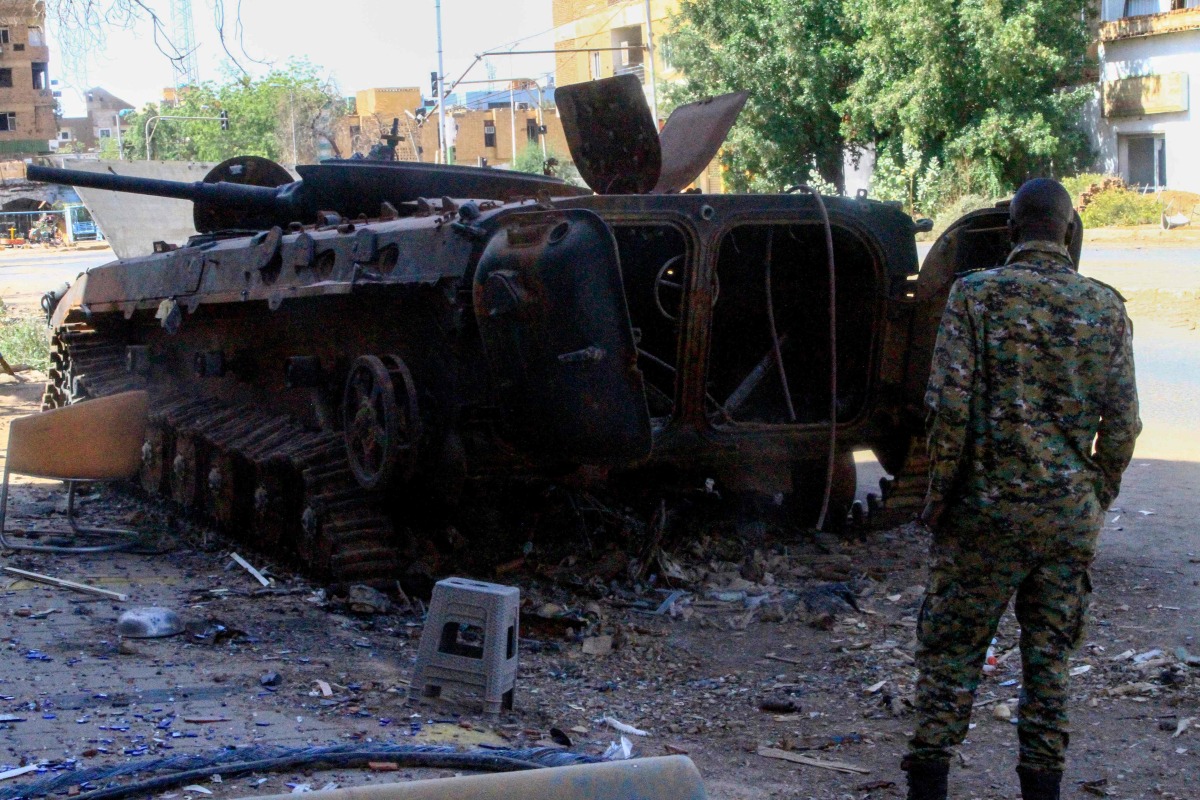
555	327
615	142
978	240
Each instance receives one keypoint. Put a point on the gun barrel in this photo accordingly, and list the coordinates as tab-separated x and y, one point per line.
182	190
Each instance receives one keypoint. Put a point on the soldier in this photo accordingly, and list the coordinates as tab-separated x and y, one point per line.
1034	416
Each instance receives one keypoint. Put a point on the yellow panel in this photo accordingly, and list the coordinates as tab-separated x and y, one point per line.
1149	94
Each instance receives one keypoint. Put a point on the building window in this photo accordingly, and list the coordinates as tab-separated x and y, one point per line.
35	37
1147	161
64	136
489	134
8	121
41	76
3	35
6	78
106	133
531	129
595	65
1139	8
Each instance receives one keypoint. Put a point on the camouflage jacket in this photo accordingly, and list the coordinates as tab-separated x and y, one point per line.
1032	394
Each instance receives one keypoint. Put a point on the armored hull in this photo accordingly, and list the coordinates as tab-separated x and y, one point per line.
322	390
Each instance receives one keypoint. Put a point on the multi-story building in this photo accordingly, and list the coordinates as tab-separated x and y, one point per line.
103	122
603	38
1148	126
27	104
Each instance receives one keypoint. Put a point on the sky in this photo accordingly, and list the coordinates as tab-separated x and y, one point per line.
360	43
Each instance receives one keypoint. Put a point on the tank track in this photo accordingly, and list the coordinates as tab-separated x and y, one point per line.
260	477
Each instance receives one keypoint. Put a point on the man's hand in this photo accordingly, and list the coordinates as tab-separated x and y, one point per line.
932	515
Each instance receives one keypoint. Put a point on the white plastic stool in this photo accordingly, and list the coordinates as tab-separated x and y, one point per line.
469	645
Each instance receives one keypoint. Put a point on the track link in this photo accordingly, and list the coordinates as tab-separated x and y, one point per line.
261	477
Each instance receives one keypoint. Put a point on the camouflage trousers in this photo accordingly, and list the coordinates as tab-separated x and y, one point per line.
976	566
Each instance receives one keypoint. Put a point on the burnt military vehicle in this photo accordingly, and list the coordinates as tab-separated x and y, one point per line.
329	355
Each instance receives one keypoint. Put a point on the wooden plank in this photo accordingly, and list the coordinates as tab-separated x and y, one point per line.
65	584
809	761
258	576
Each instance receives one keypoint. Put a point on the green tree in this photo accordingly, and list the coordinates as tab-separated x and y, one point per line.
285	113
795	58
986	86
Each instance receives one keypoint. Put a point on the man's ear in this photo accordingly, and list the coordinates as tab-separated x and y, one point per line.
1070	233
1012	231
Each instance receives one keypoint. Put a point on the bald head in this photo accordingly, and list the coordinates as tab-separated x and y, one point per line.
1041	210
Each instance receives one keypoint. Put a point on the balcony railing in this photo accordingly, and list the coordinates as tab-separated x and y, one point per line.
1185	19
632	69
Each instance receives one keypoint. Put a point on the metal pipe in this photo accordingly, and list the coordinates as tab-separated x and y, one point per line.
662	778
776	345
441	85
563	50
650	58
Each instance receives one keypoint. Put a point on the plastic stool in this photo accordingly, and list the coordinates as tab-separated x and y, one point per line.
469	644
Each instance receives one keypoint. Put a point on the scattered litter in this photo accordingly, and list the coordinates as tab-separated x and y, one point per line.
205	720
1145	513
1081	670
1182	726
65	584
1128	654
797	758
324	687
151	622
598	645
1187	658
617	725
197	788
783	659
875	687
383	766
621	751
300	788
244	564
1096	787
270	679
1002	712
12	773
11	718
1142	658
780	705
363	599
559	737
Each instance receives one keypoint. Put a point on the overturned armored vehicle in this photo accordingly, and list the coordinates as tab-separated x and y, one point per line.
329	358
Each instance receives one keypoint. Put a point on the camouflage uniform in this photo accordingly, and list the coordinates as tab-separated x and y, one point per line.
1033	365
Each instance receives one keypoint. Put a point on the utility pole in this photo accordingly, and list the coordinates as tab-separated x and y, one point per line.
512	117
441	85
650	57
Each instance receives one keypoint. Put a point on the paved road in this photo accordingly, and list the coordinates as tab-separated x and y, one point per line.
25	275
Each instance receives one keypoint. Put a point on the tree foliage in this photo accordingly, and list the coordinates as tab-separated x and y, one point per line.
286	110
954	95
795	58
982	84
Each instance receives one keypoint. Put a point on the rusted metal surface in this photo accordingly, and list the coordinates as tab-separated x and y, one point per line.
611	135
318	390
692	136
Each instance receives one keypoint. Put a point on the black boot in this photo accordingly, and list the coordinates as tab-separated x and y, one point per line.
927	780
1039	784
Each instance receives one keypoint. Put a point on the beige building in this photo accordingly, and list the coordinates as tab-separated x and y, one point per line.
86	134
27	105
618	31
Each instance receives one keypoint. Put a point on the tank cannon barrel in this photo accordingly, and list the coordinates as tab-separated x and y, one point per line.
256	206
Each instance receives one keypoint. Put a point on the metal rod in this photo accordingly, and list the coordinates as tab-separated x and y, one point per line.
441	85
564	50
776	344
650	57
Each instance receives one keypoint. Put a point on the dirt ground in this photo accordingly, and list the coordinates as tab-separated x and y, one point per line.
783	640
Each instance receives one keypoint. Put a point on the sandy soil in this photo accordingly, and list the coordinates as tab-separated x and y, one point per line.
816	629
